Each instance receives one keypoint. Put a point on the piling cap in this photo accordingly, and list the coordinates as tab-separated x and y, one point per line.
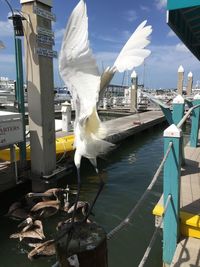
46	2
134	74
66	103
178	100
190	75
180	69
173	131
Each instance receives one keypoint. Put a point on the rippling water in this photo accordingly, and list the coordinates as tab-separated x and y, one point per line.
127	172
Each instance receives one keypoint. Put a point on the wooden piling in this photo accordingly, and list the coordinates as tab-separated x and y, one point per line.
88	242
189	84
134	87
180	80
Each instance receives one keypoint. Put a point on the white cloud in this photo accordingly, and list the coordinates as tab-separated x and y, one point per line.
171	34
106	57
145	8
7	58
126	35
182	48
7	65
163	65
107	38
160	4
59	33
130	15
6	28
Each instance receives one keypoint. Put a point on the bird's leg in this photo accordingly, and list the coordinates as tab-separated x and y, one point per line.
78	193
70	230
101	185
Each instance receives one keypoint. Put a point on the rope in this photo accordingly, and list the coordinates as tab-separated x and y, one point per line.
64	154
181	122
126	221
151	243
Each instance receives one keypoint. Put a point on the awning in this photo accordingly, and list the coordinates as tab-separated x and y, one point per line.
183	17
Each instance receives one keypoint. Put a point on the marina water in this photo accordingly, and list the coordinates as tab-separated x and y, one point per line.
127	172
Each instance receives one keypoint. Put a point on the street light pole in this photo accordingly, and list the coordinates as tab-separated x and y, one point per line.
18	31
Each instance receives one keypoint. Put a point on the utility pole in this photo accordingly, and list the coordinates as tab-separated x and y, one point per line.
40	84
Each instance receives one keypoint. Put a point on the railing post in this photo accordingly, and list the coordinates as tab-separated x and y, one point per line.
171	187
195	122
177	115
178	109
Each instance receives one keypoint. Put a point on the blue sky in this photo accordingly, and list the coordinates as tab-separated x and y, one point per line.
111	23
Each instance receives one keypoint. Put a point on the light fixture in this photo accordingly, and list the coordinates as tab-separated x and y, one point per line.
17	24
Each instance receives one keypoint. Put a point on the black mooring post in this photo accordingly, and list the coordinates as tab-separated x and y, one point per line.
88	242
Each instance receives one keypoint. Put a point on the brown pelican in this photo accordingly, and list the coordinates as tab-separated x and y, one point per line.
82	210
57	194
46	208
17	211
33	230
43	249
50	194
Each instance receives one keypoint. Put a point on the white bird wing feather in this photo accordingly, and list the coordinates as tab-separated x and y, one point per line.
133	53
77	65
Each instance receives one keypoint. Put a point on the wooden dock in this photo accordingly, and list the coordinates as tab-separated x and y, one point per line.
121	128
188	250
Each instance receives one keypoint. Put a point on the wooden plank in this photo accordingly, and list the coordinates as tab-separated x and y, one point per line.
187	253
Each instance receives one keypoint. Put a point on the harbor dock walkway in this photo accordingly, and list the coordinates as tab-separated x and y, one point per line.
121	128
188	250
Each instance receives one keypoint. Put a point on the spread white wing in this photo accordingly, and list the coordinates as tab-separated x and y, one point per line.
77	65
132	54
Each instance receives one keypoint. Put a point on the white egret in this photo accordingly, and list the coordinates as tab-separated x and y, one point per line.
80	73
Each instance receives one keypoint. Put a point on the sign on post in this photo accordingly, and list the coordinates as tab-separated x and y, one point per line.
11	130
